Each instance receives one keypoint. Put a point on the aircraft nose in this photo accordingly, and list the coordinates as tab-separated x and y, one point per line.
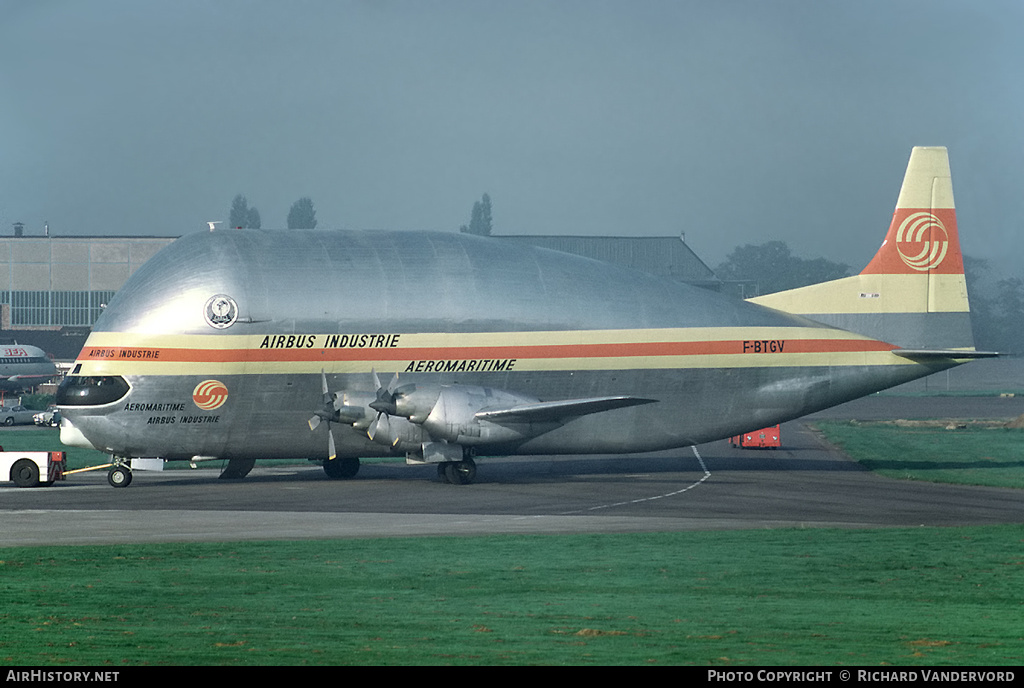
72	436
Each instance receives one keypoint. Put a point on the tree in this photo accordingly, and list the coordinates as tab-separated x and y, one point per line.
1009	305
253	219
480	219
242	216
239	211
984	321
302	214
773	267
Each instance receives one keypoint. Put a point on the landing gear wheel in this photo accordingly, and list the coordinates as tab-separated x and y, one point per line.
460	472
237	469
119	476
25	473
341	468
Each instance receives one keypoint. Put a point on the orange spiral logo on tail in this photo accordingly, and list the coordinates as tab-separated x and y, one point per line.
210	394
922	241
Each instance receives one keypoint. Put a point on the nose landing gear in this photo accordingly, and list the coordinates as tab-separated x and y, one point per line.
120	476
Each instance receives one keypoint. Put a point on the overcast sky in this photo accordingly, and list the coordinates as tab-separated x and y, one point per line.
732	121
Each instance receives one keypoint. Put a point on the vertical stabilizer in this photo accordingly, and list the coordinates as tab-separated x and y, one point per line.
913	291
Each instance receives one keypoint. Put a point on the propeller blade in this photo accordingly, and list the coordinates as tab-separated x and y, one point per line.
326	414
384	405
328	397
379	424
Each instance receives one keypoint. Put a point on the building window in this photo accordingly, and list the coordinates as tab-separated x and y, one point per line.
55	308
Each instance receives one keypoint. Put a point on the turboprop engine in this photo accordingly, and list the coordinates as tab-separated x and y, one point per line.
408	417
447	424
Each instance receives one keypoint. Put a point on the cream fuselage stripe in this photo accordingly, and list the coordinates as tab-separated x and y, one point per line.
551	351
625	349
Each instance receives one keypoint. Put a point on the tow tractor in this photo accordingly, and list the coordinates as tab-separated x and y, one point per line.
34	468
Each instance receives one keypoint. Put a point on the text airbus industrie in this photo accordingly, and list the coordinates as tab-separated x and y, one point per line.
863	675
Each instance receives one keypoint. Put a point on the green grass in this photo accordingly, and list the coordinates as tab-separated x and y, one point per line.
901	596
969	456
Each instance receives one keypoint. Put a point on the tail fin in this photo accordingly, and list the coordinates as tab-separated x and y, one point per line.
912	293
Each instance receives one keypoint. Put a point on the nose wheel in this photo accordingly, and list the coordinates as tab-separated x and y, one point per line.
119	476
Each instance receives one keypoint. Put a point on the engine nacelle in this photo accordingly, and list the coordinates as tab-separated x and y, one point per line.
398	433
423	414
415	402
353	409
453	417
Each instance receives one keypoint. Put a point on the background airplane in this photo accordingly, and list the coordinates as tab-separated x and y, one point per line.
23	366
242	345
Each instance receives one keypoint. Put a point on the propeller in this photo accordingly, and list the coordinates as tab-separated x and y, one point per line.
384	405
326	414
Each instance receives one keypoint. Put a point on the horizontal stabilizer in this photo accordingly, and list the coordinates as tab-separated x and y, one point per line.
553	411
920	354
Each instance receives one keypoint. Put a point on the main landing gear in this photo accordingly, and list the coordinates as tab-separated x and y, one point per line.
451	472
237	469
341	468
457	472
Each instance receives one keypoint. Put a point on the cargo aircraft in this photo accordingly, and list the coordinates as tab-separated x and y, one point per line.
442	347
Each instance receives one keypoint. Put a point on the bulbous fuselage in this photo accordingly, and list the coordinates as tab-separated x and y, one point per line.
223	344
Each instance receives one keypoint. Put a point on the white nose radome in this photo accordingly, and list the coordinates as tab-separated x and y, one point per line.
72	436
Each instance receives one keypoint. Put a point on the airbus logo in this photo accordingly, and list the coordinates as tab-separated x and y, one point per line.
210	394
922	241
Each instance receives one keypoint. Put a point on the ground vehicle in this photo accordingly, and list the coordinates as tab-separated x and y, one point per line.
765	438
16	415
29	469
50	416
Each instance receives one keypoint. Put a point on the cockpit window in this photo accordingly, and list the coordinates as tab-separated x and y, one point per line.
79	390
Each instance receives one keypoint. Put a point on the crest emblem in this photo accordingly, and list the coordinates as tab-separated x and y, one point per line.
210	394
922	241
220	311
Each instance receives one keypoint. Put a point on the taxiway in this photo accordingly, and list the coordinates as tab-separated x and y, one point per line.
714	486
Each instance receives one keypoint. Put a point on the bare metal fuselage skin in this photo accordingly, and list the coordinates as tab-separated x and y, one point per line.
444	311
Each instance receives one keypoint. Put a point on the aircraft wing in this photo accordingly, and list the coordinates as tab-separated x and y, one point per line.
560	410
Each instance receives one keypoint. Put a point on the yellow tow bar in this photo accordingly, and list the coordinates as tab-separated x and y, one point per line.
89	468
